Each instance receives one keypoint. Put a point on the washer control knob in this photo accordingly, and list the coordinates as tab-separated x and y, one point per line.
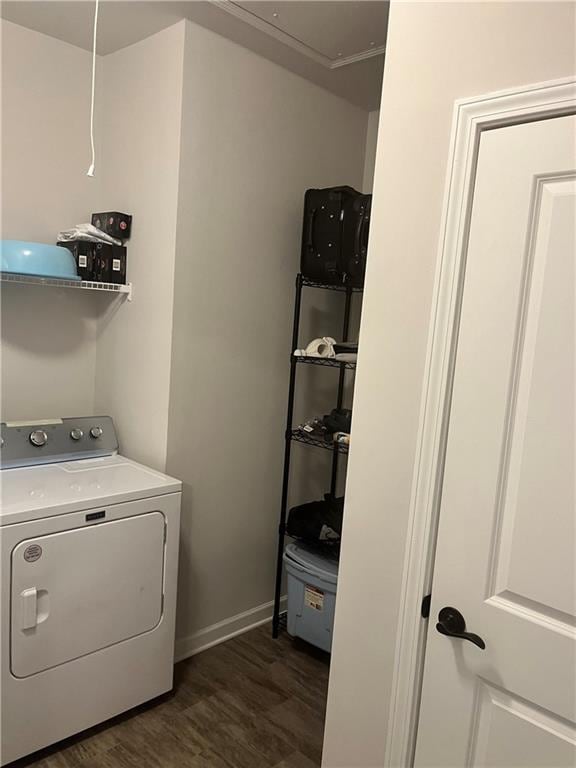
76	434
95	432
38	437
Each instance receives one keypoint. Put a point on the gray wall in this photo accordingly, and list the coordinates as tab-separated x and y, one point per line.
254	137
435	54
142	100
48	352
69	353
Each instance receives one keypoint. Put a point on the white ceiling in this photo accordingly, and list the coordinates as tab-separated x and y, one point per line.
339	44
333	29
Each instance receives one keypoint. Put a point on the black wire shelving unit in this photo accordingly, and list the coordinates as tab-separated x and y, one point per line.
293	435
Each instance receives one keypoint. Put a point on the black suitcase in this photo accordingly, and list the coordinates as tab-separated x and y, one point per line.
322	233
335	235
355	239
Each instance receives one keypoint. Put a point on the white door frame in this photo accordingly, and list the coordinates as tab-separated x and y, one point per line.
471	118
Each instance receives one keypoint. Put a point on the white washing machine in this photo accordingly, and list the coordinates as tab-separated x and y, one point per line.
89	546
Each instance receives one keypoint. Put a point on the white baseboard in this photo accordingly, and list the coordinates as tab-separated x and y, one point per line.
224	630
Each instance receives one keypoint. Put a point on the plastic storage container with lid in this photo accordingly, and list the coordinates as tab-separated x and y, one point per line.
37	260
312	580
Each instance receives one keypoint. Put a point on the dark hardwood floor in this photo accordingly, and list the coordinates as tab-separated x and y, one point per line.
252	702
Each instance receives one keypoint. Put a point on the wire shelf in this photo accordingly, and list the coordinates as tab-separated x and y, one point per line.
329	551
328	362
302	437
329	287
56	282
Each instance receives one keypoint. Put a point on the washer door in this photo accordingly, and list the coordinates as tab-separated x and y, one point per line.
78	591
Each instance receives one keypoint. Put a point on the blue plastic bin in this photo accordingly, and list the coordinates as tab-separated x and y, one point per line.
312	581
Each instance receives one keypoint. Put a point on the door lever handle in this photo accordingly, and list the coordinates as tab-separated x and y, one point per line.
452	624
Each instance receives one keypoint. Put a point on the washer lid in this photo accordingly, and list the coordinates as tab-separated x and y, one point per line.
30	493
313	561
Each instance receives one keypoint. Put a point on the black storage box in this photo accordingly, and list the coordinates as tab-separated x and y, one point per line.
115	224
83	253
109	263
98	262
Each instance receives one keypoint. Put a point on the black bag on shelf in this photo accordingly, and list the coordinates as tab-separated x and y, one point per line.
335	235
338	420
318	522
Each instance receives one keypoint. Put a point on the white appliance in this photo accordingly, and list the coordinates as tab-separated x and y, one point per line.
89	547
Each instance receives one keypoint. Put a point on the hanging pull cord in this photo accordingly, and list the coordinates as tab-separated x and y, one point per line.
90	171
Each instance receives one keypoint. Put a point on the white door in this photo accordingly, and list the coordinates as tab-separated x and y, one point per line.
507	535
78	591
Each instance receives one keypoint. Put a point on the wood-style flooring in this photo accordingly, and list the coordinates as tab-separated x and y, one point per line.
252	702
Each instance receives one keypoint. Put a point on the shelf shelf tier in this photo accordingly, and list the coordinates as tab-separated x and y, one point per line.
329	286
56	282
302	437
328	362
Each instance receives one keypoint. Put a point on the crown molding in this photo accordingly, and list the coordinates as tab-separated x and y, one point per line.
369	53
231	7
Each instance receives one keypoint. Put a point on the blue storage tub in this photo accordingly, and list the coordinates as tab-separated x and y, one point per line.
37	259
312	580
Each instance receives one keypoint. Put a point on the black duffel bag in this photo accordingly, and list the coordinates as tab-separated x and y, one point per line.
338	420
318	522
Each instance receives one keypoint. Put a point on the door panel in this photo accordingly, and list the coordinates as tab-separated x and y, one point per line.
540	467
505	551
81	590
513	733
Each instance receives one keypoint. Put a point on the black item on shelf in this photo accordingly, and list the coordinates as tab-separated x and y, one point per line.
317	522
346	347
115	224
338	420
317	429
110	263
98	262
83	252
329	445
322	233
335	235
